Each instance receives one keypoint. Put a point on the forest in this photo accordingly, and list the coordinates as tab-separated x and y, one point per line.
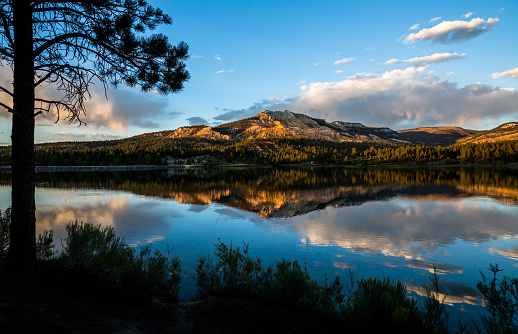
149	150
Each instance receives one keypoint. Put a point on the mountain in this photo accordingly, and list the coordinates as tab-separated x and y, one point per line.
285	123
433	136
507	131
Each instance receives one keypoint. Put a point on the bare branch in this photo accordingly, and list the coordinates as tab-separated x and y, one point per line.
8	92
9	109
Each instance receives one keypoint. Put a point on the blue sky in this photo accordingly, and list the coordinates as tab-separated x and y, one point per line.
401	64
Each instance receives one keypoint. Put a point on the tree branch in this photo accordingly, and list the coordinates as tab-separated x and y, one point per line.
5	90
9	109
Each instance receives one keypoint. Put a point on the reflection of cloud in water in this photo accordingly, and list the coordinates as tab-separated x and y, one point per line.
239	214
137	222
197	208
455	293
404	229
508	253
344	265
445	268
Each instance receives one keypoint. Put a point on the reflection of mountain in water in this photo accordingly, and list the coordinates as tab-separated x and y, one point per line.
283	193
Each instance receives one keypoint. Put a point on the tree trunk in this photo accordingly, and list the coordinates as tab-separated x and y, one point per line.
22	249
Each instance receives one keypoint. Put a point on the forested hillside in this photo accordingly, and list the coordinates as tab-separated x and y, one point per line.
156	150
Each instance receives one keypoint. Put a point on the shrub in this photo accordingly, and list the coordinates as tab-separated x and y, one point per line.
95	252
501	302
382	304
234	273
435	314
288	283
5	221
44	242
45	245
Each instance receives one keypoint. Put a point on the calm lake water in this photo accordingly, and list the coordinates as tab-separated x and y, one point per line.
396	223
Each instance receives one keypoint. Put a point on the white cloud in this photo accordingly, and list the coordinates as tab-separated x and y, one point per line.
47	137
316	64
344	61
406	98
448	73
224	71
510	73
195	57
217	57
453	31
415	26
467	15
432	59
435	19
400	99
340	71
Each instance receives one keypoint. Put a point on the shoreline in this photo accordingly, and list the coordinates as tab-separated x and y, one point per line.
241	165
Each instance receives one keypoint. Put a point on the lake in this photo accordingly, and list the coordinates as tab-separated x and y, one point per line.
398	223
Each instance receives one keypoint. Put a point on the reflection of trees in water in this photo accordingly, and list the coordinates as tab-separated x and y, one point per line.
284	192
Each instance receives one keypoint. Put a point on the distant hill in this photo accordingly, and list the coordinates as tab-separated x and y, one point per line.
284	123
507	131
434	136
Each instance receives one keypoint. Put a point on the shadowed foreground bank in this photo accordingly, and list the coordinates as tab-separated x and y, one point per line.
42	305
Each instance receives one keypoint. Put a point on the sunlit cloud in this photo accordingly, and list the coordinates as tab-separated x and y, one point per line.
448	73
435	19
432	59
467	15
399	99
510	73
115	110
344	61
415	26
384	100
453	31
217	57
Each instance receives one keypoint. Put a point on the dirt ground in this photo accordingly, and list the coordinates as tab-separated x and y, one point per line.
35	305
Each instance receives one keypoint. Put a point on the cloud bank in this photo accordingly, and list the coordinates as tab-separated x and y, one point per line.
400	99
116	110
453	31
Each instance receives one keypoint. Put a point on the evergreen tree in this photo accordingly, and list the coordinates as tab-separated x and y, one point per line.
71	44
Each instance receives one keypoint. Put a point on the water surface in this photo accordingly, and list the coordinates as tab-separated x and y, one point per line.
397	223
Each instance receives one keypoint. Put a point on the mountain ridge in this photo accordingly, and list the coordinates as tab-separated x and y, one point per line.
284	123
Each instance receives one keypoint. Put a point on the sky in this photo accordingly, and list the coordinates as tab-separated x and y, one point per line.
400	64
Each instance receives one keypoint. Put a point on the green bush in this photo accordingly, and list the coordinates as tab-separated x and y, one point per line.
382	304
97	253
288	283
44	242
501	302
5	221
435	315
234	273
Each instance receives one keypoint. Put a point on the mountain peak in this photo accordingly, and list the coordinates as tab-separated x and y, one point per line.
284	123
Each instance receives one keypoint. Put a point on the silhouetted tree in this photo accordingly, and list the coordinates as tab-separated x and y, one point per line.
70	44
